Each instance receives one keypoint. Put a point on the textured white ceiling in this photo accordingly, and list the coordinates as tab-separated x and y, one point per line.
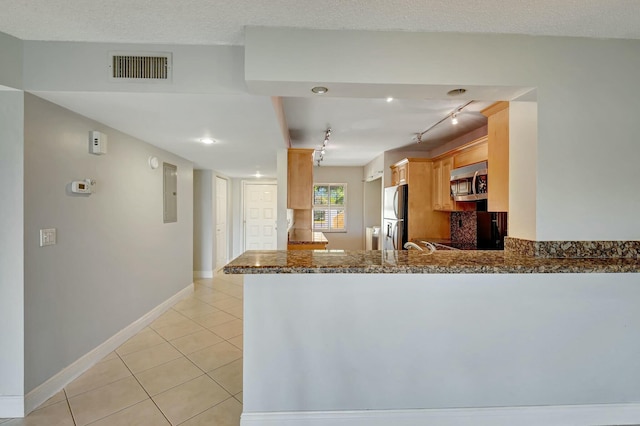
222	21
362	127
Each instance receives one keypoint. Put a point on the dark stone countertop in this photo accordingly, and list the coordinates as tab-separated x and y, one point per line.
306	236
417	262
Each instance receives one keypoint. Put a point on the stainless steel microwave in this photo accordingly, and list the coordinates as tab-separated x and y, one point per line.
470	183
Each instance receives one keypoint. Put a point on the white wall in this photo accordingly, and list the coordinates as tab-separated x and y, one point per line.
434	341
115	259
11	252
353	239
11	63
587	95
523	135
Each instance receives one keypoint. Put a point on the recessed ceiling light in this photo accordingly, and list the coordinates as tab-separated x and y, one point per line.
319	90
258	175
389	99
207	141
456	92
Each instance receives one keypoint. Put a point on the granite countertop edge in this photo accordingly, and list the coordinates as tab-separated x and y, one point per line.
403	262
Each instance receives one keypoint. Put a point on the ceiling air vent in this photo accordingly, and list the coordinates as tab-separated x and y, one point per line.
127	66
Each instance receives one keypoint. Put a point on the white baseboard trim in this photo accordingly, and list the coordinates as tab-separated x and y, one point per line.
11	406
52	386
202	274
565	415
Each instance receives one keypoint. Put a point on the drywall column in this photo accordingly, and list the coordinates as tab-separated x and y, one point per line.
523	169
203	237
11	253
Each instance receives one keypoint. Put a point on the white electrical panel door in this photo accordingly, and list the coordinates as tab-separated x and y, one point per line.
170	185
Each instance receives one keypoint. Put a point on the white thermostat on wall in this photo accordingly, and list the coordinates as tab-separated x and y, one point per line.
97	143
81	186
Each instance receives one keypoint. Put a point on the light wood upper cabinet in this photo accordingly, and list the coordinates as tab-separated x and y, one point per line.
498	156
441	188
475	153
399	172
300	179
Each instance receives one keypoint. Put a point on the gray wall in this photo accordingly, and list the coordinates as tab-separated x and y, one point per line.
11	63
115	259
11	244
353	239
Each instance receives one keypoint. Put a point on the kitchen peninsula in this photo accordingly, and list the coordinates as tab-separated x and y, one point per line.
456	337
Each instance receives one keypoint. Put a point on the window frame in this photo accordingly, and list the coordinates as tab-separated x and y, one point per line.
328	207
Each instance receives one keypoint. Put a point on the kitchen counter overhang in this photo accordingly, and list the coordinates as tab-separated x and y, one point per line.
415	262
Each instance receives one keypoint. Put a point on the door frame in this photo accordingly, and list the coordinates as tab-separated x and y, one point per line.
242	203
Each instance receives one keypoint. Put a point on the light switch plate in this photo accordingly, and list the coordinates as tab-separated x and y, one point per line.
47	237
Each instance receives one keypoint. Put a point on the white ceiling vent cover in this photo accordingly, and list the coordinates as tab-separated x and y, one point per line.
136	66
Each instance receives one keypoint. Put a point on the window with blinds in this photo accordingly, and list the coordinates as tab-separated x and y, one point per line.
330	207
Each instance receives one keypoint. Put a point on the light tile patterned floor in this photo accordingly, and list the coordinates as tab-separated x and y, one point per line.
184	369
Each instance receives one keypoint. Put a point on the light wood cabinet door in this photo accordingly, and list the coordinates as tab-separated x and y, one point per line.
394	175
441	188
300	179
498	154
445	188
403	173
437	185
471	155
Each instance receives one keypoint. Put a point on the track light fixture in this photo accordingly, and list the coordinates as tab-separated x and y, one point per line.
319	154
453	115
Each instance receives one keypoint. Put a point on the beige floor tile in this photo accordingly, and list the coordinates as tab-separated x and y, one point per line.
144	413
168	318
196	341
227	413
190	399
237	292
104	401
237	341
215	356
213	319
214	296
143	340
197	309
229	376
112	355
179	329
152	357
228	329
57	414
228	304
239	397
60	396
237	312
158	379
97	376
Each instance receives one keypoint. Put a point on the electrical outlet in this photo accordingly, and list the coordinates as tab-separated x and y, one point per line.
47	237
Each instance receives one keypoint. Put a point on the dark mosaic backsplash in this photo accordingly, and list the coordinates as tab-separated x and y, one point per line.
573	249
464	229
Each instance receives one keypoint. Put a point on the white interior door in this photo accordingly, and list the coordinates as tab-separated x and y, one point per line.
260	216
222	255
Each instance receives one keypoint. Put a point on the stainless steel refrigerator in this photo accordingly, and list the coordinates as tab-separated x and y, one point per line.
394	223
